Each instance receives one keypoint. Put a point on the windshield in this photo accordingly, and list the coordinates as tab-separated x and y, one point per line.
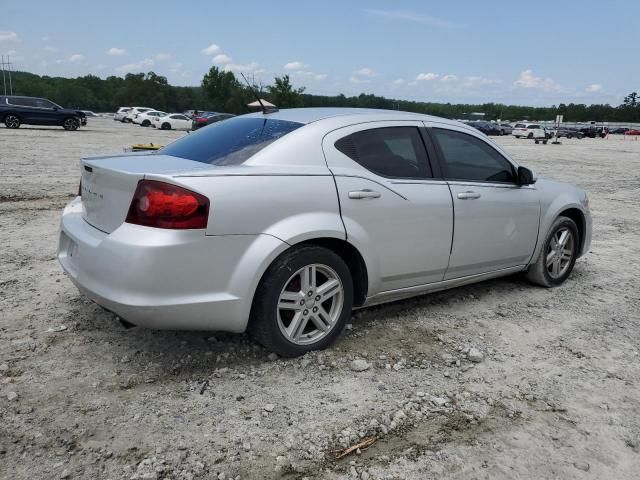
231	142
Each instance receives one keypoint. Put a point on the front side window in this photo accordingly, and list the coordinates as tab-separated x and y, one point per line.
469	158
231	142
396	152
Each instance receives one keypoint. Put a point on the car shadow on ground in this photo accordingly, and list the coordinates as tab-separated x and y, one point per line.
200	352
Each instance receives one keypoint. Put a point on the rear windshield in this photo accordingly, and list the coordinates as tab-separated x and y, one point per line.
231	142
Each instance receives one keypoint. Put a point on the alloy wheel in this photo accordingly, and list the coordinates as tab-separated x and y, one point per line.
70	124
560	253
12	121
310	304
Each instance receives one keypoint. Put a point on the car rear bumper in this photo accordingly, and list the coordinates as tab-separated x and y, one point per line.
167	279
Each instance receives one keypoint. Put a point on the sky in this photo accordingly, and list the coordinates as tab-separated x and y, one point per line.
516	52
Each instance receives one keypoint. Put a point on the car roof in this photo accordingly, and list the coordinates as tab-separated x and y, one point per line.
315	114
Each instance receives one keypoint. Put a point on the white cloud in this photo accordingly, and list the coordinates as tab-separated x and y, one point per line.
358	80
212	49
366	72
163	57
593	88
135	67
295	66
427	76
252	67
116	52
449	78
477	81
7	36
222	59
413	17
399	81
310	75
528	80
75	58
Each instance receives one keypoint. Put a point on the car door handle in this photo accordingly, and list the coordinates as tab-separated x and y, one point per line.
468	195
359	194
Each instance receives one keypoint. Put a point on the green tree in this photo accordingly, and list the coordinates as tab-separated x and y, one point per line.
222	90
282	93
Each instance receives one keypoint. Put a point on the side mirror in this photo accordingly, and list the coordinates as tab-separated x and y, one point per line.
526	176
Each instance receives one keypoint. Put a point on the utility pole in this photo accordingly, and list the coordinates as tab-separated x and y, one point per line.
5	66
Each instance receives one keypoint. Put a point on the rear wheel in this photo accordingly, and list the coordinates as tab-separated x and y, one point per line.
166	126
558	255
145	123
70	124
530	135
303	301
12	121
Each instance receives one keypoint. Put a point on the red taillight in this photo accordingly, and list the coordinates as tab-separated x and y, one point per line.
200	120
163	205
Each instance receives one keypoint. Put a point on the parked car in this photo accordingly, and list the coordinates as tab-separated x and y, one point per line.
529	130
121	114
619	130
17	110
174	121
567	132
281	223
207	118
506	128
135	111
145	119
487	128
590	131
633	131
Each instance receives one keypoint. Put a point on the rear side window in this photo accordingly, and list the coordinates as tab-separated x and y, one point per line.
396	152
469	158
231	142
520	125
533	127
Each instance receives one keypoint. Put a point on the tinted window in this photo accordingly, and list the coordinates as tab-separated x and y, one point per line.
469	158
389	152
230	143
22	102
533	126
520	125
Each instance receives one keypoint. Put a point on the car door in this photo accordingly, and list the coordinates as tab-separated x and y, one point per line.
496	220
394	209
46	112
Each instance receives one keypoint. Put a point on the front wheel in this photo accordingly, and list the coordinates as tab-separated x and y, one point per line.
558	255
70	124
303	301
12	121
166	126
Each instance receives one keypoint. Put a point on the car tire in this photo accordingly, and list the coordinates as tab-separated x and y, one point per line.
559	258
166	126
145	123
530	135
12	121
70	124
517	136
295	328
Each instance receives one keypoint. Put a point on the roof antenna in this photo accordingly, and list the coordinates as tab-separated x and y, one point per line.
264	109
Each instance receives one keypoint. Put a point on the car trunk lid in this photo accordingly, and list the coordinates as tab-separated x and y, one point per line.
108	184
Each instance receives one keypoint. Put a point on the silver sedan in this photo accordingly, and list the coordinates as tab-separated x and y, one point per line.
281	223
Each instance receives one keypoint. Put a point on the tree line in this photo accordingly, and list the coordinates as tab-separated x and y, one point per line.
223	91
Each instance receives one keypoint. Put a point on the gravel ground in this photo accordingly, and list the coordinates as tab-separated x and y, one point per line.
495	380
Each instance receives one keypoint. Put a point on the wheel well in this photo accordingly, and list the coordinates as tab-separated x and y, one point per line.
577	216
354	261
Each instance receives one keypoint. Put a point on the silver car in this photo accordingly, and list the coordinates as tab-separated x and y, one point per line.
282	223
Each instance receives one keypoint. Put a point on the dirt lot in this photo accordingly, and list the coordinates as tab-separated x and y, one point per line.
554	391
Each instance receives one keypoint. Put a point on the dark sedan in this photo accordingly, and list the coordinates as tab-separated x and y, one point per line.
207	118
487	128
15	111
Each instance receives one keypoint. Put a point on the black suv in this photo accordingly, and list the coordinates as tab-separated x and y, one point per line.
14	111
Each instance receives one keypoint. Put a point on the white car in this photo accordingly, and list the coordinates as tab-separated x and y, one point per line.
174	121
121	114
145	119
131	114
529	130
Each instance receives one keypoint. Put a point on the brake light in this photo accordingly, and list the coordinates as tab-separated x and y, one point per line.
201	120
163	205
